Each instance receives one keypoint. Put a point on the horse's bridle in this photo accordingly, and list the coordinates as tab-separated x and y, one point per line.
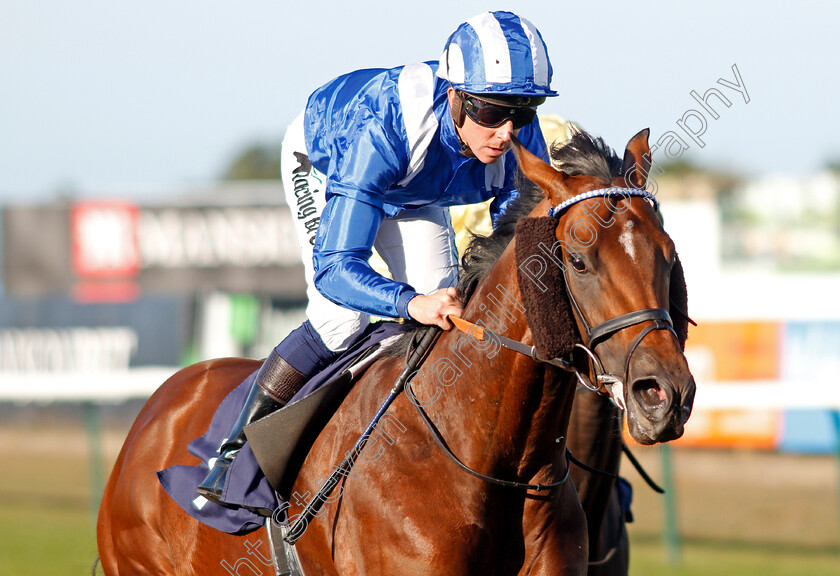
660	318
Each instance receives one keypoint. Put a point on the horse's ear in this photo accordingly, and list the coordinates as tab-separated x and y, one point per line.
637	160
551	182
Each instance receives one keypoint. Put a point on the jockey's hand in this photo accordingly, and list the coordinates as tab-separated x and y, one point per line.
433	308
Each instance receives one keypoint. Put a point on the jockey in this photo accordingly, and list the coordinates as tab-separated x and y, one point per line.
375	160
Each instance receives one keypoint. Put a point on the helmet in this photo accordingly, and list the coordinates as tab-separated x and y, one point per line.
497	53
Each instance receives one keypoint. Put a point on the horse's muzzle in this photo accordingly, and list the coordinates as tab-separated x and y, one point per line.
658	409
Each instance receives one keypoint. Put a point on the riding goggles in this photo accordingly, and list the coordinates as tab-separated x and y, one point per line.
491	115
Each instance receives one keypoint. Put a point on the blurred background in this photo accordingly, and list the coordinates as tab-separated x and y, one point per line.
143	228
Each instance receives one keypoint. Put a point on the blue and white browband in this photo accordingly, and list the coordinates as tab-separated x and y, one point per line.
604	192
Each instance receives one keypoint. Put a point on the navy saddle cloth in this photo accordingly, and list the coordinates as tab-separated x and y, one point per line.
247	486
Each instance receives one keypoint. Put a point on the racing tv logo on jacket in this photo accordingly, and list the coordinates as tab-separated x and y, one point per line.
303	176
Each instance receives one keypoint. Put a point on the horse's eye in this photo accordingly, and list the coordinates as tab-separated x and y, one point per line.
577	263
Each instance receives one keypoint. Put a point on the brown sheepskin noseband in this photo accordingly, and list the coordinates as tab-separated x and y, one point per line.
543	289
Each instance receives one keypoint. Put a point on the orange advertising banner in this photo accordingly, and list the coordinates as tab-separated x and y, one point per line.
726	351
733	429
734	351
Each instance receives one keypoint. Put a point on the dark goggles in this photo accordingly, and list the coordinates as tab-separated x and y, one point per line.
491	115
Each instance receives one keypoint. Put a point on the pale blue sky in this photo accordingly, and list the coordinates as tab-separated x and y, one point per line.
127	98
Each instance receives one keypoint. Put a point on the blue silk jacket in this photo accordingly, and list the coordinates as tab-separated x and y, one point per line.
386	142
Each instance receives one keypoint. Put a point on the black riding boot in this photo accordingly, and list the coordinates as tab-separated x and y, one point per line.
274	386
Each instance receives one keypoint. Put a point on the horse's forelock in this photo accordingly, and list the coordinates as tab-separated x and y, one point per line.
484	251
585	155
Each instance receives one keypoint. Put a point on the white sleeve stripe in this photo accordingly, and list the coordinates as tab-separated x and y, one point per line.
538	53
416	89
494	45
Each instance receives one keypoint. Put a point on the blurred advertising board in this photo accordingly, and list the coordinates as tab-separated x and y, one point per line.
733	351
811	353
114	250
58	335
35	257
799	358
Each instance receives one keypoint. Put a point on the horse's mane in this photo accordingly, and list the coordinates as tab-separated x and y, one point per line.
483	252
582	155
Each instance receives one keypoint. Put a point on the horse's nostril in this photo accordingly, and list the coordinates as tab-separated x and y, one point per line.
649	393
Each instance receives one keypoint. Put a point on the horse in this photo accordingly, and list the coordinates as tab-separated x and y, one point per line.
503	413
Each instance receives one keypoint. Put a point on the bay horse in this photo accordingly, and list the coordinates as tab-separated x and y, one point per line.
412	511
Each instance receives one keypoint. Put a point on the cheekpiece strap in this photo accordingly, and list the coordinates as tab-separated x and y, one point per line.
604	192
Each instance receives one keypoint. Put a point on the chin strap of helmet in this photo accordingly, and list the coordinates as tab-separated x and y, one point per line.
465	150
459	116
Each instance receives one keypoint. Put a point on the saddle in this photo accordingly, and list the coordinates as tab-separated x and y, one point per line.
281	441
261	477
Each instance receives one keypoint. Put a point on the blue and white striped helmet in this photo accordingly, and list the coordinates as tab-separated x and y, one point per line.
497	53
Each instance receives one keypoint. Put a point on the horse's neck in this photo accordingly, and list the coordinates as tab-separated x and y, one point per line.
514	407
